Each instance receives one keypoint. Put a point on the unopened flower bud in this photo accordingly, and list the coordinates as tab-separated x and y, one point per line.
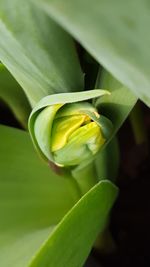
70	133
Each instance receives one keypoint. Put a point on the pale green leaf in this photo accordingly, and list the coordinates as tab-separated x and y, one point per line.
115	32
39	54
118	105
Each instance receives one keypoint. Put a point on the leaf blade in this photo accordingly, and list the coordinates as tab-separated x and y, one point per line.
114	32
32	198
41	66
73	230
118	105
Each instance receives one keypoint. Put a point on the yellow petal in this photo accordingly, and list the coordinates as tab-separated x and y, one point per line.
63	128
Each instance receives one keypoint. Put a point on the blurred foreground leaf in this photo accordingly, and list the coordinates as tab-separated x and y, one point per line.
32	198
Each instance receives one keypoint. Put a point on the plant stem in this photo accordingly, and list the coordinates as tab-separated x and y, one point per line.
86	177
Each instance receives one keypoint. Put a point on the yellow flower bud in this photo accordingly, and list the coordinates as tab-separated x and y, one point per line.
68	134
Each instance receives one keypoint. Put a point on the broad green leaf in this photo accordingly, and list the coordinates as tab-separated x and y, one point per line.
11	93
116	107
118	104
32	198
115	32
38	53
71	241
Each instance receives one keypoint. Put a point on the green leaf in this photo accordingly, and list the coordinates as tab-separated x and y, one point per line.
71	241
115	32
118	104
116	107
70	98
38	53
32	198
11	93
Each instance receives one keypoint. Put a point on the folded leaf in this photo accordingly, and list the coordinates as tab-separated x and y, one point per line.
115	32
118	104
38	53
